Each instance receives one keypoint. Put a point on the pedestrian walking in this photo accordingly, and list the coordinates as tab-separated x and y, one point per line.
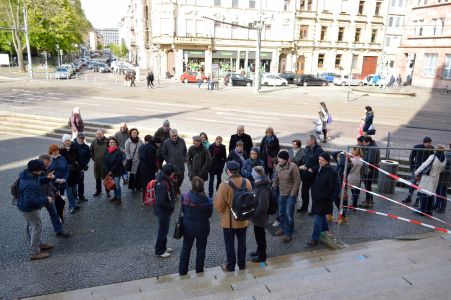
150	79
319	125
238	154
249	164
199	79
148	164
241	136
210	82
218	160
399	80
199	160
371	155
175	152
269	148
205	141
197	209
76	122
326	119
132	79
113	166
98	149
131	154
368	122
85	157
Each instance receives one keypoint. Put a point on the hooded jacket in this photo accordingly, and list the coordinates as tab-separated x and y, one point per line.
164	195
249	164
197	209
262	194
30	195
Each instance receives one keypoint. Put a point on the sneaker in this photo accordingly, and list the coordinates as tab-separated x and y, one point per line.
312	243
169	250
64	234
287	239
40	255
45	246
164	255
278	232
276	223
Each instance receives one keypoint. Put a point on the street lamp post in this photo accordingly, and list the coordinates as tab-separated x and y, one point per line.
58	54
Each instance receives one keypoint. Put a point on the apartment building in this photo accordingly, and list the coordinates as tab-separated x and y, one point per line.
394	30
424	56
109	36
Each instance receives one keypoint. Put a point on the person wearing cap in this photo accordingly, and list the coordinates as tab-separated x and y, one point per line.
287	181
262	191
218	159
269	148
175	152
417	157
241	136
85	157
98	149
76	122
73	158
372	155
163	132
231	227
199	159
31	200
323	191
165	197
238	154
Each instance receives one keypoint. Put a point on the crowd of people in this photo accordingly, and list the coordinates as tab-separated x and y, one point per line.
255	176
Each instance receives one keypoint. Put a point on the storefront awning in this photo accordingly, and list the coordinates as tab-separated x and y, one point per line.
194	53
224	54
251	55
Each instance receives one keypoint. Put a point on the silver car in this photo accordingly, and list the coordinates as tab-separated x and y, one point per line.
62	73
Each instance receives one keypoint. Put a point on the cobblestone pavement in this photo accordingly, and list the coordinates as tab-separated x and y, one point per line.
114	244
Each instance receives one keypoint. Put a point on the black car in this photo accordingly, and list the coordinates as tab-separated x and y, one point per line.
308	79
239	80
289	76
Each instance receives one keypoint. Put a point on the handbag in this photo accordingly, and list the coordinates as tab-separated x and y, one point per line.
329	119
109	183
178	230
129	162
427	170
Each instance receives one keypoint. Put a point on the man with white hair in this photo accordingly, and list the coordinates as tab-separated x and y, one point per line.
76	122
174	152
98	148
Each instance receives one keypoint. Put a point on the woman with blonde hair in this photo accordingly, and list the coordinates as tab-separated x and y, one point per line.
269	148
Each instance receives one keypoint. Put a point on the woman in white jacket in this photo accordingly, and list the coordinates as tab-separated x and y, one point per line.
430	173
354	176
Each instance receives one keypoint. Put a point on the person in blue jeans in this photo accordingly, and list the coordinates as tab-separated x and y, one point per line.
323	191
113	166
287	179
197	209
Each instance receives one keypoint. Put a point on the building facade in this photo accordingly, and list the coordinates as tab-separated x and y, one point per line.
394	30
424	56
109	36
94	39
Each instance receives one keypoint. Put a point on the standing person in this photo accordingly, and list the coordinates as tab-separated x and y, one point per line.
325	119
399	80
98	149
210	82
238	154
218	160
371	155
262	193
164	207
122	136
311	156
199	79
131	153
436	163
158	146
319	125
174	152
132	79
163	132
85	157
241	136
231	227
76	122
322	195
150	79
30	202
148	164
296	156
368	126
197	209
419	154
205	141
113	166
269	148
443	183
199	160
355	177
249	164
287	181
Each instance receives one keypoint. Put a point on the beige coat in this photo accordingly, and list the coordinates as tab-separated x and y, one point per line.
223	197
287	179
430	182
355	172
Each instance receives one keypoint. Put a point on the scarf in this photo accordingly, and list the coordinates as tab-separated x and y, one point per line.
240	155
134	139
269	139
112	149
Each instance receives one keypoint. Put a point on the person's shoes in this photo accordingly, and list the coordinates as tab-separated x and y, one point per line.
164	255
287	239
200	271
225	269
301	210
64	234
83	199
330	218
242	268
278	232
108	194
45	246
257	259
97	193
114	199
324	141
276	223
253	253
416	204
365	204
40	255
312	243
407	200
310	214
118	201
441	210
169	250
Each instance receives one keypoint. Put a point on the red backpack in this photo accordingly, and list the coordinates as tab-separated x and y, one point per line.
149	196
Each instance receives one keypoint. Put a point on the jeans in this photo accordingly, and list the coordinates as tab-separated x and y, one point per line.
355	196
319	225
56	221
426	203
211	177
98	185
229	240
368	179
201	246
286	214
260	238
305	193
81	185
441	191
199	83
117	190
162	237
34	225
69	190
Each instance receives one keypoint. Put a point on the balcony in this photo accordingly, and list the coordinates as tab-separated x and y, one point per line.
305	43
326	16
378	20
361	19
306	14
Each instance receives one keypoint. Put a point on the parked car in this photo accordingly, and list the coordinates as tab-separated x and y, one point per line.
373	79
103	68
273	79
191	77
344	80
328	76
289	76
70	68
62	73
238	80
77	65
308	79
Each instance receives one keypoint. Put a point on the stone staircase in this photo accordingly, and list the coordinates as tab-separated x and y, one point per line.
384	269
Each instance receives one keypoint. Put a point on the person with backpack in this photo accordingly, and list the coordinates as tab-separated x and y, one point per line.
150	79
287	180
262	191
235	203
165	197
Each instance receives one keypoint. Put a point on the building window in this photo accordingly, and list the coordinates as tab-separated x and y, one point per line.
251	3
430	64
321	60
442	25
392	64
286	5
447	67
304	32
323	32
338	61
355	60
217	3
373	35
361	6
377	11
397	3
357	34
420	27
235	3
341	32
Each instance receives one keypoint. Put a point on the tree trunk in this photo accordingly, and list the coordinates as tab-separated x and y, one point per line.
19	50
14	23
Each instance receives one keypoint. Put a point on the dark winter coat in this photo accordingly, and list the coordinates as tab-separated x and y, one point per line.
262	193
112	162
373	154
249	164
234	156
418	157
217	161
76	123
61	170
164	195
324	190
175	153
198	162
245	138
197	209
311	160
269	148
85	154
30	192
445	176
121	138
73	159
98	149
161	134
369	118
147	167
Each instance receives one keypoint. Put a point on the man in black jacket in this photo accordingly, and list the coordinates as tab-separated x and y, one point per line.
165	197
85	157
199	159
311	156
241	136
417	157
372	155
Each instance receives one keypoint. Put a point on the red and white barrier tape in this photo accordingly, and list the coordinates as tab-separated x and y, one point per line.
399	179
401	219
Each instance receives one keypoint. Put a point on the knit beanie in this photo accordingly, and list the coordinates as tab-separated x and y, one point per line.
66	137
35	165
168	169
258	173
283	155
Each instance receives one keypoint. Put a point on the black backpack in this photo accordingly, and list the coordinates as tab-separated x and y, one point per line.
243	202
15	191
273	206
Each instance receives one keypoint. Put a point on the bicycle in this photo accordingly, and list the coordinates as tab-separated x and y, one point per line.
444	91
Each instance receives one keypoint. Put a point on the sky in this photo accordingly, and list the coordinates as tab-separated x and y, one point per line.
104	13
